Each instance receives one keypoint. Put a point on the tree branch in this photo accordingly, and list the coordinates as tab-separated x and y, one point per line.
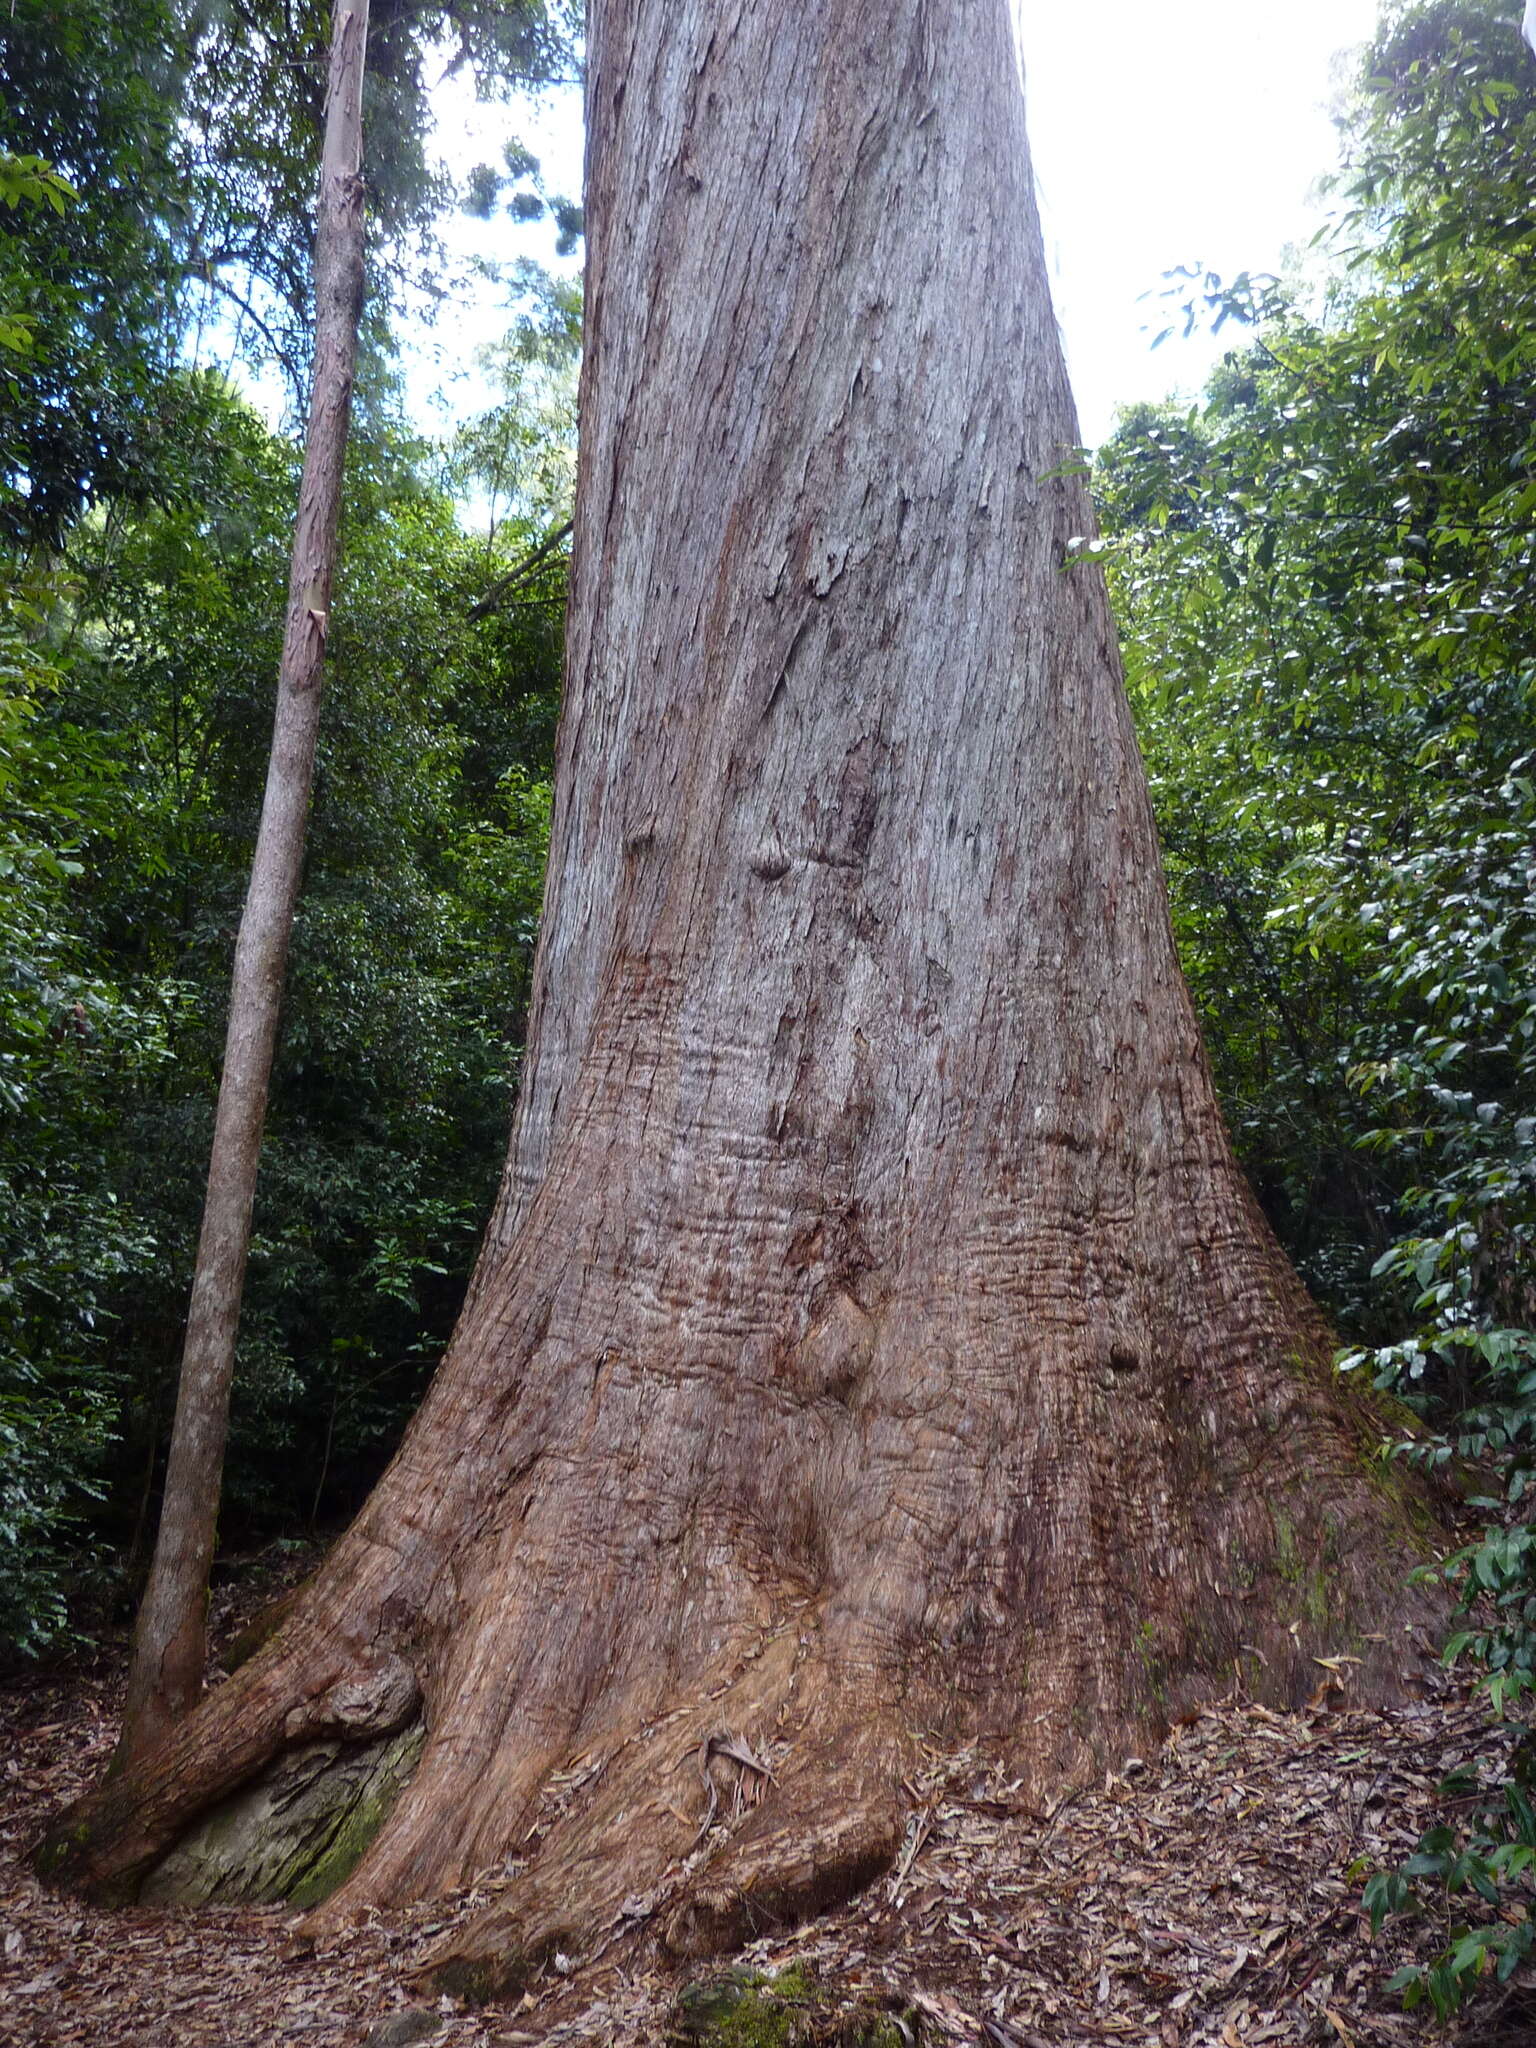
515	578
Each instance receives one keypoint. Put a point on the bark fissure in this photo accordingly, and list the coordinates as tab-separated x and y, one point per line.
874	1342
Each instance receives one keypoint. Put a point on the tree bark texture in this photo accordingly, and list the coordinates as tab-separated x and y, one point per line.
170	1646
875	1342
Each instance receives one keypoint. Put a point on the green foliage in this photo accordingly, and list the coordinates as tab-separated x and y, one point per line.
69	1036
1457	103
28	180
88	89
252	117
528	200
138	678
518	459
409	967
1326	574
187	140
1497	1853
157	191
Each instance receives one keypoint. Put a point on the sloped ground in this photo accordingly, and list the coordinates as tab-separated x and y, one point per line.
1207	1897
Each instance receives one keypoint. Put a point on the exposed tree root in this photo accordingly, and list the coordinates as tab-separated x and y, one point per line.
782	1869
693	1847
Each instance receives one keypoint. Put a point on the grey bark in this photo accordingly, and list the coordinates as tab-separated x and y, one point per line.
169	1654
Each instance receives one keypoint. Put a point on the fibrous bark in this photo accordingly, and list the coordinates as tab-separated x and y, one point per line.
170	1639
875	1343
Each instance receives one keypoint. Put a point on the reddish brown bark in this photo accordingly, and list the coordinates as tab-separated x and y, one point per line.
875	1341
170	1639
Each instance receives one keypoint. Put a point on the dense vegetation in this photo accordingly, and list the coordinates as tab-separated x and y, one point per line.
1326	578
145	508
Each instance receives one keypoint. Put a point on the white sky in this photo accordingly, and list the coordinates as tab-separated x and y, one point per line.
1190	132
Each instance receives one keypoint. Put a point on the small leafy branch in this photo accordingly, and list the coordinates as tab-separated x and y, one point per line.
1490	1859
27	181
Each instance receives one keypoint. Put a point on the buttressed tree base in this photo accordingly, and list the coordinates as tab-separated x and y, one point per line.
875	1341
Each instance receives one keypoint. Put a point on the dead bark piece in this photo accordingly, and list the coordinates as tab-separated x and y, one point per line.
376	1704
747	1783
294	1834
875	1351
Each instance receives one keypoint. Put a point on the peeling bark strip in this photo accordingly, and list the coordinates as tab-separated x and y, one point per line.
170	1641
875	1341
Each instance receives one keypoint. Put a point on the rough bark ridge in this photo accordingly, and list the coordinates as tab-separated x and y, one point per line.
875	1339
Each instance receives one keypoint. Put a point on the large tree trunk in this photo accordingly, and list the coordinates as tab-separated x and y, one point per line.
875	1339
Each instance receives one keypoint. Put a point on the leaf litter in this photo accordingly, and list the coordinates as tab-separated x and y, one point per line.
1207	1896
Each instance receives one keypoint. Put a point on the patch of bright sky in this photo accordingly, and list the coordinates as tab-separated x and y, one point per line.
1191	132
445	379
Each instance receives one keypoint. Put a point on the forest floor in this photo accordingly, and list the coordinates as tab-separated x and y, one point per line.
1207	1896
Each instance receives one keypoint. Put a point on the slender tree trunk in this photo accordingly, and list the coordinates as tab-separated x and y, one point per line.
170	1647
875	1342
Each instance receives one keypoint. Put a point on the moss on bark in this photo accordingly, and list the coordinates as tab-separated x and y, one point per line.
295	1833
745	2009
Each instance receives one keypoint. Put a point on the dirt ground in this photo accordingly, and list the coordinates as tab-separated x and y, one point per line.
1208	1896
